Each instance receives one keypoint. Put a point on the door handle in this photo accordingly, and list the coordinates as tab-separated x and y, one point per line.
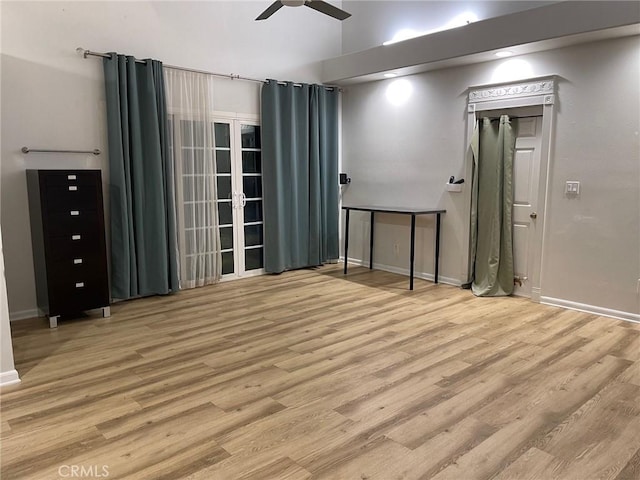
244	199
533	215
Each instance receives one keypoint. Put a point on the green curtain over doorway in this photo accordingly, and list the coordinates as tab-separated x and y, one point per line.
300	175
493	147
143	236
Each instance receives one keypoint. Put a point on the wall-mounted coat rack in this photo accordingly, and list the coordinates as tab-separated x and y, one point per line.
42	150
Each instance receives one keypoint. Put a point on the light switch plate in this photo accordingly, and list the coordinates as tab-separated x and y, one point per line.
572	187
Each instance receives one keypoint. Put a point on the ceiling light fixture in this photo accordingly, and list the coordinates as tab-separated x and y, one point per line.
504	53
390	75
402	35
461	20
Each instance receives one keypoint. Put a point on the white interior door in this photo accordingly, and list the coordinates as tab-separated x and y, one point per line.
526	173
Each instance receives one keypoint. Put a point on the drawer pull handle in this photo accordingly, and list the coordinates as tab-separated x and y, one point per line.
76	237
75	213
77	261
73	188
71	177
79	284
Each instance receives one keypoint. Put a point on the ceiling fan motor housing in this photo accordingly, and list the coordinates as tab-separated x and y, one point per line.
292	3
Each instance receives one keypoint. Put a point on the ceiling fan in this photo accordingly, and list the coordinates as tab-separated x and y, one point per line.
319	5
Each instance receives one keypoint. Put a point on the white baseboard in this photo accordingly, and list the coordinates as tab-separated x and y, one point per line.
9	378
404	271
583	307
24	314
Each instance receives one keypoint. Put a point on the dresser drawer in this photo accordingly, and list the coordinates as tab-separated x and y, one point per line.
78	267
73	221
70	197
77	245
75	177
75	295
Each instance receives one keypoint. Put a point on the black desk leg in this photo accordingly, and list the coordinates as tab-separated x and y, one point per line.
437	245
346	241
413	246
371	244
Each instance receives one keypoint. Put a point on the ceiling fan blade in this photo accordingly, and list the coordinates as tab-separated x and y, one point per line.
273	8
327	9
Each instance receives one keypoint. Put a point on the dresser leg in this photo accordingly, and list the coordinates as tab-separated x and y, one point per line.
53	322
106	312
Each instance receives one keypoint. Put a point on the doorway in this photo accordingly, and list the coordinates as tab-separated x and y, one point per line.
533	103
239	181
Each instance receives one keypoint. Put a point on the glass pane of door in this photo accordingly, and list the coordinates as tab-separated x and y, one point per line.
227	263
253	258
253	211
252	189
223	160
251	162
250	136
224	155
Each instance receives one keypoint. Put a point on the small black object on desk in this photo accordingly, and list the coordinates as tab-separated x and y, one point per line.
398	210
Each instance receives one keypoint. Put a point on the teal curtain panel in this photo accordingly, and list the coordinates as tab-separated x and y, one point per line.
143	236
493	147
300	175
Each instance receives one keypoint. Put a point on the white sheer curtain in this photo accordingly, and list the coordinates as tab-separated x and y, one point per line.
189	103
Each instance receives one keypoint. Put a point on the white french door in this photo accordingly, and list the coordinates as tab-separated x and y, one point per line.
239	187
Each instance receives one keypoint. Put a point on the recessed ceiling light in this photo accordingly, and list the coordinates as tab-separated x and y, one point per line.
504	53
390	75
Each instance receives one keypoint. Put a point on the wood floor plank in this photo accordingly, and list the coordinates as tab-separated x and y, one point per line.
342	385
612	418
426	424
558	392
379	460
518	435
534	464
141	449
631	471
252	466
31	449
290	424
313	374
443	449
282	469
631	375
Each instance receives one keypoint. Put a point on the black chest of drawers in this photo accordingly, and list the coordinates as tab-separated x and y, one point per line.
69	250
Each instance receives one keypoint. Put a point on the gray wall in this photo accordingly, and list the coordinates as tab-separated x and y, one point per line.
404	155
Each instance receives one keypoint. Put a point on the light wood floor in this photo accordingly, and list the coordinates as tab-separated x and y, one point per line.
311	374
